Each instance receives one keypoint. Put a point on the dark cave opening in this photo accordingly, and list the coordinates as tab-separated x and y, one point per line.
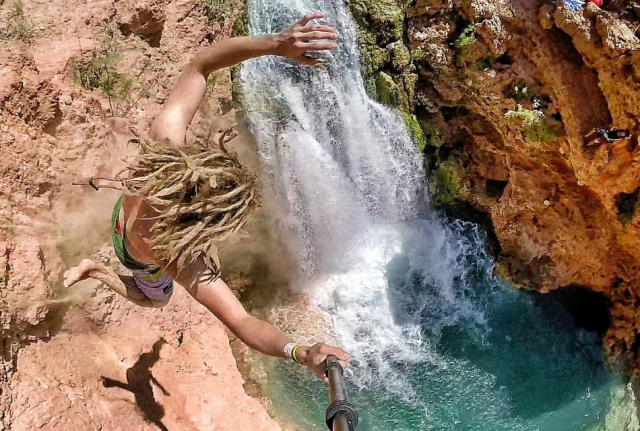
589	310
505	59
495	188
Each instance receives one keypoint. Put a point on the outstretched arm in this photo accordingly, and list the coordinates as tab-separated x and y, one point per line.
255	333
183	102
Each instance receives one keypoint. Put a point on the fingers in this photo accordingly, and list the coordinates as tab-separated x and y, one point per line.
318	355
66	274
337	352
226	135
316	46
309	61
307	18
229	136
340	354
316	35
319	372
318	27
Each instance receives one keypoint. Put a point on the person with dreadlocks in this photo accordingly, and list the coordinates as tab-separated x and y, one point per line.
180	199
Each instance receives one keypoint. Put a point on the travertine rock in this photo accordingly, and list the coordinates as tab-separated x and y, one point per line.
557	208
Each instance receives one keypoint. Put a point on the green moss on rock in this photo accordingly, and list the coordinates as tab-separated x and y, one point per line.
217	10
241	23
446	184
433	136
418	54
372	57
386	17
400	56
388	91
409	81
414	130
466	38
396	92
237	95
626	204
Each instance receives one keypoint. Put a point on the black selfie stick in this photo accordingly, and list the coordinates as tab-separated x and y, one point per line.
341	414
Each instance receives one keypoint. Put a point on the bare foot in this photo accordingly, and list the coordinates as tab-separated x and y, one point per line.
78	273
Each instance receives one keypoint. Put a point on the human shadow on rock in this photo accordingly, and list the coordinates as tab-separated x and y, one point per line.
139	379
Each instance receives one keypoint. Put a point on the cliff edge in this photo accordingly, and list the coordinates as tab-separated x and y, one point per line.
73	77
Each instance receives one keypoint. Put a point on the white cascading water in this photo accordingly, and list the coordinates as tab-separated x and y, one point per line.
344	176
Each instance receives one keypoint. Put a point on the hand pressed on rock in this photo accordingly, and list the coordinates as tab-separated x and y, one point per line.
224	136
300	39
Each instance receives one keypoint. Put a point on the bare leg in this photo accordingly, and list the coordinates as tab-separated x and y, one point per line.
122	285
110	383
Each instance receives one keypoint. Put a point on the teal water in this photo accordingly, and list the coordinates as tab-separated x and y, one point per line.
528	366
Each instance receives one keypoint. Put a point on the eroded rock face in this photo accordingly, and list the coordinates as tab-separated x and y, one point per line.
113	366
508	91
145	20
83	358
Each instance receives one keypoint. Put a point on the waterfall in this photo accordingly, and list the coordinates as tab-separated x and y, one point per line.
410	295
344	176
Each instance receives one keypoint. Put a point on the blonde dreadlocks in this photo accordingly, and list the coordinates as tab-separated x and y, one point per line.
203	195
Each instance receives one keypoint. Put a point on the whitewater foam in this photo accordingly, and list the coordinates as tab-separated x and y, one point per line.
343	176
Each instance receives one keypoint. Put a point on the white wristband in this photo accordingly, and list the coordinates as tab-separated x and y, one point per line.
288	350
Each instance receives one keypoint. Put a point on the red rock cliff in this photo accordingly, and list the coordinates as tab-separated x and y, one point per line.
85	359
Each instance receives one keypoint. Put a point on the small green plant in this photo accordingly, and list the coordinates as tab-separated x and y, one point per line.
485	62
523	91
537	127
217	10
466	38
543	132
626	204
529	117
101	71
19	28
